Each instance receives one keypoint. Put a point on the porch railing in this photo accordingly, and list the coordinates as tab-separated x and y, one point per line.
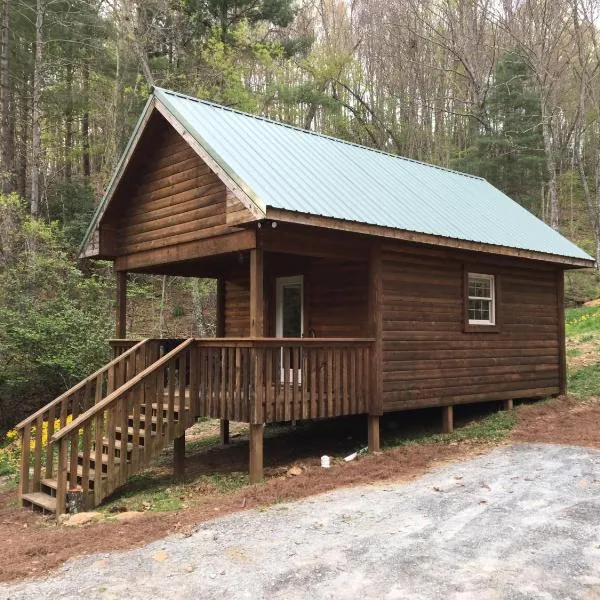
263	380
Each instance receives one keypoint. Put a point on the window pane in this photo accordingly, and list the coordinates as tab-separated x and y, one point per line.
292	311
480	310
480	287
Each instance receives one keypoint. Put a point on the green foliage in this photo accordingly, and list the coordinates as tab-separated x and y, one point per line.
581	285
493	428
510	150
582	320
585	381
55	320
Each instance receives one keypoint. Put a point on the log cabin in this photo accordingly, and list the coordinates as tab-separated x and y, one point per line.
349	281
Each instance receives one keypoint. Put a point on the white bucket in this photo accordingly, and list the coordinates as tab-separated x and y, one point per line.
325	461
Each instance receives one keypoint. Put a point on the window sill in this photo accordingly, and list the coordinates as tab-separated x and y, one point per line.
473	328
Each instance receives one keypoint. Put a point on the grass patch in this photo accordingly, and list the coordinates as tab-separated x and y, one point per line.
582	320
152	492
585	381
492	428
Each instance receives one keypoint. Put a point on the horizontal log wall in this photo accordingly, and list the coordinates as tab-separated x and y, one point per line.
430	360
169	196
236	301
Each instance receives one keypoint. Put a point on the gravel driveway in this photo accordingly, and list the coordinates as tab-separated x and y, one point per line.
520	522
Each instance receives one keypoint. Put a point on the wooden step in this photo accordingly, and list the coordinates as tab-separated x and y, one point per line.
40	500
49	483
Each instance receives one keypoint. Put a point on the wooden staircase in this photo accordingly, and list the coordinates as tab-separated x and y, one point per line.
77	444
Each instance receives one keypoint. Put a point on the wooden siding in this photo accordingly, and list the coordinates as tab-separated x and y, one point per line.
335	296
236	301
169	197
429	358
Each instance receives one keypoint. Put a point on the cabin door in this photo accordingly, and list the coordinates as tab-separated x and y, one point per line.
289	321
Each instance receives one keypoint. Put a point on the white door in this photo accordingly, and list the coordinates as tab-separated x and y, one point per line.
289	321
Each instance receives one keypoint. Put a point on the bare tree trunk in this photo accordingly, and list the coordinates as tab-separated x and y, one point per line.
69	123
36	137
22	154
7	152
85	121
550	169
161	314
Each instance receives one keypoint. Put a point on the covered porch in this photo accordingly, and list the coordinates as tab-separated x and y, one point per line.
296	330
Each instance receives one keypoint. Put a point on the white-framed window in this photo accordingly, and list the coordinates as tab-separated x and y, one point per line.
481	300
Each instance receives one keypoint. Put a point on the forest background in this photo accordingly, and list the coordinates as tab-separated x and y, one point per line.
505	89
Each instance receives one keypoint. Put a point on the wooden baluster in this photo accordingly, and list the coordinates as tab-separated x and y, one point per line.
304	374
183	411
122	468
37	460
223	382
61	476
313	365
99	441
49	444
150	387
330	403
98	388
270	388
353	382
136	395
286	414
194	366
73	455
258	408
209	384
85	460
238	384
170	429
337	383
246	383
322	361
160	405
367	381
233	412
64	411
295	382
24	487
345	399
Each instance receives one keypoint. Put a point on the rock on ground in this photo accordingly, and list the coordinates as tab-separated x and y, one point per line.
521	522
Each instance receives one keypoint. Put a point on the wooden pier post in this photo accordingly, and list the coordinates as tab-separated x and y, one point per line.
179	457
121	312
373	427
256	452
447	419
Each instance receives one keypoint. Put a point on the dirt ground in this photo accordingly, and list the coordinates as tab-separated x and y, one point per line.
33	545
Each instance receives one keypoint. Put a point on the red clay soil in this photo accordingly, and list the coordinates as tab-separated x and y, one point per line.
33	545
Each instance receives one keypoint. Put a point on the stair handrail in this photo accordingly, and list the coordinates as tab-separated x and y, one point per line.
80	429
31	418
126	387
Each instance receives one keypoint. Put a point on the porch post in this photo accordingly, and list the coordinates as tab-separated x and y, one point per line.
256	330
375	312
220	332
121	311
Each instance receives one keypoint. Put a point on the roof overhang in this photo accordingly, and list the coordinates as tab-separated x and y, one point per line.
277	214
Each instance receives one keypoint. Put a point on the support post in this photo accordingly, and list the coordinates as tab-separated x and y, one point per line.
375	312
179	456
507	404
373	426
562	352
224	431
256	452
121	312
220	332
447	419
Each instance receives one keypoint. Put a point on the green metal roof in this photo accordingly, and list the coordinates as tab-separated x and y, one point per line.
297	170
283	167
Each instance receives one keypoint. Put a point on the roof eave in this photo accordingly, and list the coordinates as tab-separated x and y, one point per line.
278	214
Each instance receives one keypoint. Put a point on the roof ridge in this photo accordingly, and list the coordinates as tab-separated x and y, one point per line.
315	133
